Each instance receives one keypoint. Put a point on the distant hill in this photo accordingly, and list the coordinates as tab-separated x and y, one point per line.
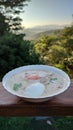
46	33
36	32
36	36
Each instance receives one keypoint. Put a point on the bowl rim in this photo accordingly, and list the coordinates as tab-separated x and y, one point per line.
19	69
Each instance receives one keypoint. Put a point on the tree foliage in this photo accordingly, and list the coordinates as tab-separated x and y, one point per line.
4	27
9	12
57	50
15	52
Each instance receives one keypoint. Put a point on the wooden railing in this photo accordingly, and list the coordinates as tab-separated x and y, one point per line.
61	105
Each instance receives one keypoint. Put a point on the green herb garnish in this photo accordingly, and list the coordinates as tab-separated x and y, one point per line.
54	78
17	86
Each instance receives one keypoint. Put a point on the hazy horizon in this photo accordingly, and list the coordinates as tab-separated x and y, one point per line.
43	25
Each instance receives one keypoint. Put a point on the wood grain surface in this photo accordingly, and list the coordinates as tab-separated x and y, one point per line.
61	105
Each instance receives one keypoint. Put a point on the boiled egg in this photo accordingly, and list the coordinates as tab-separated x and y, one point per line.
34	90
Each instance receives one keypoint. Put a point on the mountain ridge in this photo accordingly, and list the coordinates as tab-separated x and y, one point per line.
31	33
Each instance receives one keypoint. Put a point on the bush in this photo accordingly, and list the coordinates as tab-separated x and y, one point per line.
15	52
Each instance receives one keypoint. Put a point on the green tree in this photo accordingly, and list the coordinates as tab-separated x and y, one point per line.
10	10
57	50
68	44
56	54
43	45
68	64
4	27
15	52
68	31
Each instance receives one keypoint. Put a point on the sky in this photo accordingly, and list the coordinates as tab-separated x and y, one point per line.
47	12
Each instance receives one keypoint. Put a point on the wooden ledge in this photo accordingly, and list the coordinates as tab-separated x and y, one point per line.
61	105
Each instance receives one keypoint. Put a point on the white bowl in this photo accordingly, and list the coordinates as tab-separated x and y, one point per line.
8	76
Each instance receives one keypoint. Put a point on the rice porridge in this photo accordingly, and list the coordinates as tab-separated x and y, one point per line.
36	83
